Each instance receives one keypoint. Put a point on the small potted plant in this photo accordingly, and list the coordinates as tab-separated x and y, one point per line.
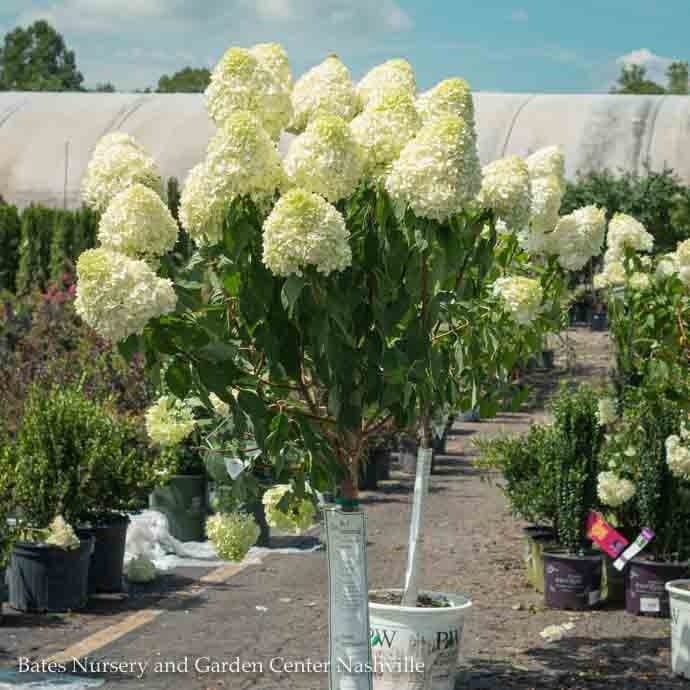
572	572
662	466
76	458
49	569
526	464
181	495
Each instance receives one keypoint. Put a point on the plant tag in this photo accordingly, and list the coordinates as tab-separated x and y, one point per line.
421	488
604	536
650	605
640	543
348	603
234	466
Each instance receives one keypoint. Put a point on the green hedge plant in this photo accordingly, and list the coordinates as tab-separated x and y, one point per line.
73	457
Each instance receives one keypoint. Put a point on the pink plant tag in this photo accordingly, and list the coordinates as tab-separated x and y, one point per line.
604	536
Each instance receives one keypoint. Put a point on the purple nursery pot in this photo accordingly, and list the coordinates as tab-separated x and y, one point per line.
572	581
645	586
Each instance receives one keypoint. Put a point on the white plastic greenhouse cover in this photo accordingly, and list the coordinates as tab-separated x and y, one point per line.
46	139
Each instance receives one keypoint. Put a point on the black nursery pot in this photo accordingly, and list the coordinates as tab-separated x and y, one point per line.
368	474
599	322
572	582
258	511
382	459
108	558
46	579
645	586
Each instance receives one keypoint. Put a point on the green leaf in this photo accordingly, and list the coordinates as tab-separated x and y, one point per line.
291	291
218	376
178	377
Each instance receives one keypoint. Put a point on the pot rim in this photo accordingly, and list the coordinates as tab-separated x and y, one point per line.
41	546
566	556
674	587
454	600
661	564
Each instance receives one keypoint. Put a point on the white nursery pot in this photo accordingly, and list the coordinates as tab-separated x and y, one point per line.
680	626
416	648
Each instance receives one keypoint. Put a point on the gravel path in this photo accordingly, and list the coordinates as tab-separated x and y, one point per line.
472	546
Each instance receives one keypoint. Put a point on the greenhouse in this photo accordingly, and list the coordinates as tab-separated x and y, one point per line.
47	139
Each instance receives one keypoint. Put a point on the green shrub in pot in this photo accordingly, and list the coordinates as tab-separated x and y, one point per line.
76	458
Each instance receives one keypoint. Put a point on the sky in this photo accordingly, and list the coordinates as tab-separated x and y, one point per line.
497	45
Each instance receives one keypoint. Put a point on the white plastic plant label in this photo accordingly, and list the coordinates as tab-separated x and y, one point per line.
421	488
348	611
650	605
234	466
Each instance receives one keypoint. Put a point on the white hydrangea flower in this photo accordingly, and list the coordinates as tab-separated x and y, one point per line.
221	408
138	224
639	280
241	82
62	534
678	457
579	236
385	128
392	75
305	230
116	139
547	162
521	297
326	88
274	58
141	570
547	194
626	232
438	172
325	159
683	259
613	275
232	534
117	296
613	490
201	207
506	189
243	161
449	97
607	411
169	421
115	166
300	513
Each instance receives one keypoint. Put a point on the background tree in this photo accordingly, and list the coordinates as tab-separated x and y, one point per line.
633	80
105	87
187	80
678	78
37	59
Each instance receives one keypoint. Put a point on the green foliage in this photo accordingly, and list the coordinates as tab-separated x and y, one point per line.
62	249
5	535
576	421
10	237
678	75
34	249
42	340
37	59
187	80
661	501
528	466
656	199
72	457
320	363
633	80
549	475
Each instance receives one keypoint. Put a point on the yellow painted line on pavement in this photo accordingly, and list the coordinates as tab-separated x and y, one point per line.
104	637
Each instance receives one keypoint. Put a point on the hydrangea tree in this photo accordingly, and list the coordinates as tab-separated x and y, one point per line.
374	276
